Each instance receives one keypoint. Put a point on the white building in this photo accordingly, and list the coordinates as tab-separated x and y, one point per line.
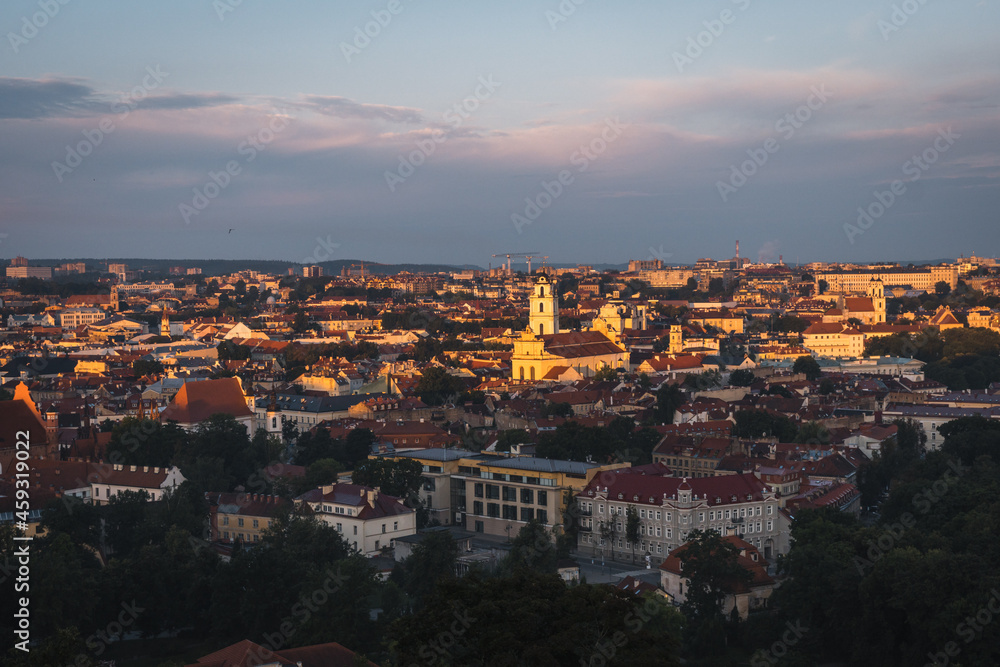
367	519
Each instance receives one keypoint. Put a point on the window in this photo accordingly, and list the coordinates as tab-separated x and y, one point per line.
657	516
770	509
510	512
479	526
340	527
256	523
225	521
509	494
527	496
477	507
225	535
543	498
355	532
376	544
493	510
383	529
600	509
527	514
492	491
256	537
395	525
478	490
239	522
542	516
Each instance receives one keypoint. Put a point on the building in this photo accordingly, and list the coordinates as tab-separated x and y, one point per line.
71	318
195	402
439	466
43	272
857	281
543	352
248	654
499	496
930	417
833	340
107	482
242	517
671	507
743	597
367	519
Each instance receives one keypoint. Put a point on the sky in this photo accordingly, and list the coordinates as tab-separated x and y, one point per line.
443	132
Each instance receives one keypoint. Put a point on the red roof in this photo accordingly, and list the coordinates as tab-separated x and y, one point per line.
197	401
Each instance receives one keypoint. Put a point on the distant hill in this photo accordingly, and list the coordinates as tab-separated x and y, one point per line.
217	267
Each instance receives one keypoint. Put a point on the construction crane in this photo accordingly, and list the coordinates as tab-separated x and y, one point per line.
530	257
508	255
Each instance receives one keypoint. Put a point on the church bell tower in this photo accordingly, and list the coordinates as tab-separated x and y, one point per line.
544	303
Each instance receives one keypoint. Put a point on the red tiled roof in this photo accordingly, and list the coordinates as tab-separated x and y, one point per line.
197	401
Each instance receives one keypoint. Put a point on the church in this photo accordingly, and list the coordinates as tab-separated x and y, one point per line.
544	353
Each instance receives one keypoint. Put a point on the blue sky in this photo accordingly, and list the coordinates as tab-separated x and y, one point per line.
196	120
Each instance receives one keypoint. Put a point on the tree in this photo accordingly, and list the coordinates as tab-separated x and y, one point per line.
606	373
400	478
808	365
433	560
760	424
812	432
533	549
143	367
436	386
823	286
669	397
942	288
742	377
535	619
711	567
632	528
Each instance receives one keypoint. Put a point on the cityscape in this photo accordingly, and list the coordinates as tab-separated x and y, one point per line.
531	334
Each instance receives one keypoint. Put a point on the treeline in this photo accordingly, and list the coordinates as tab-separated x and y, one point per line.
917	587
965	358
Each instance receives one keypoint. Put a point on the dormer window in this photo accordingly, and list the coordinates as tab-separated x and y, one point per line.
621	496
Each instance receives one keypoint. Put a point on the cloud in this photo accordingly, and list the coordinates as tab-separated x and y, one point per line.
342	107
32	98
187	101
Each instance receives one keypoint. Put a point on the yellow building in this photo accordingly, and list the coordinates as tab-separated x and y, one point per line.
543	352
833	340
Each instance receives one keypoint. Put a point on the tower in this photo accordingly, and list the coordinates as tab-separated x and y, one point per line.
165	324
676	339
876	290
543	317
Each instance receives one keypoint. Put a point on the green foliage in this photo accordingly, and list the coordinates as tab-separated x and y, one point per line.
533	549
669	397
618	441
145	442
557	410
147	367
534	619
742	377
219	455
755	424
606	373
436	386
808	365
813	432
400	478
432	561
789	324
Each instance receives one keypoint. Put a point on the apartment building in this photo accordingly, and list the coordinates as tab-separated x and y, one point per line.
367	519
669	508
